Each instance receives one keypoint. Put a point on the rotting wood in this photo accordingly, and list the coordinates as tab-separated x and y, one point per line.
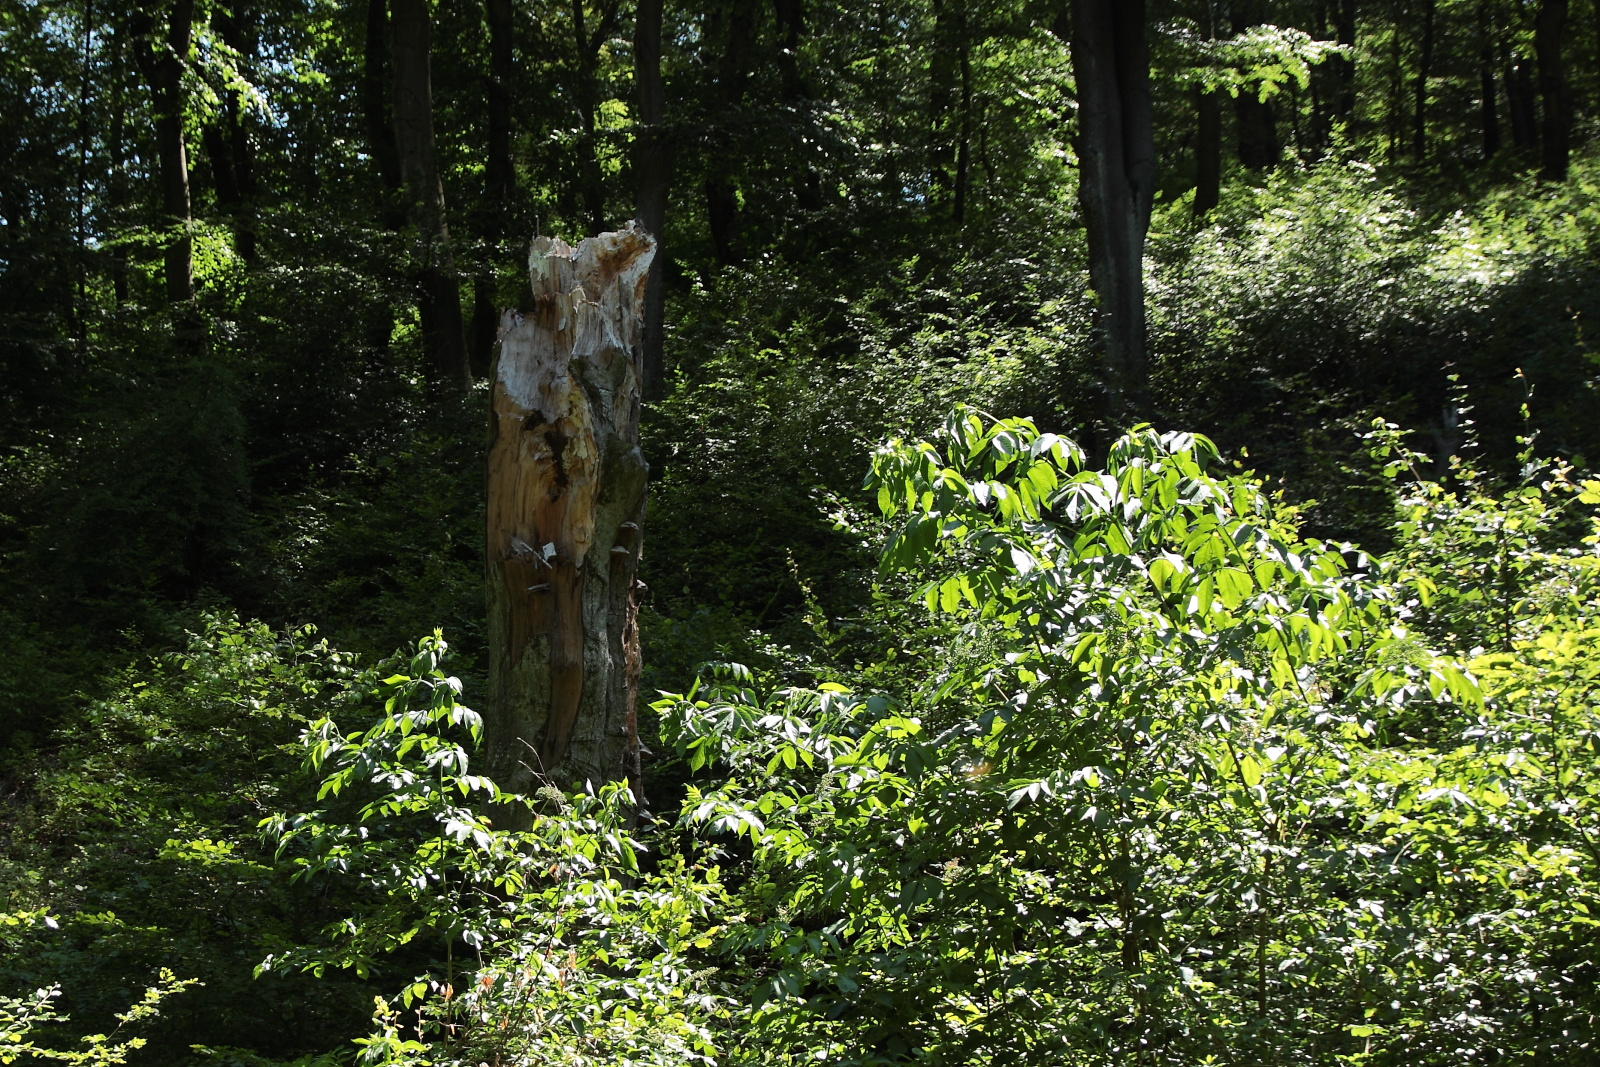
566	494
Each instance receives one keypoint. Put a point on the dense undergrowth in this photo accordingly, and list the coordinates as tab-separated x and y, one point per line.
1081	806
1153	776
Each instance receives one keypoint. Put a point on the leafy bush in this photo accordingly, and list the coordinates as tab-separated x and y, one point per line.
578	955
1175	814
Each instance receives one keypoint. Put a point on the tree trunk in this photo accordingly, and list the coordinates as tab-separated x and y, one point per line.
1207	138
499	178
1207	151
1257	118
116	179
1344	15
588	53
1419	140
791	18
941	88
1258	130
228	143
1397	103
1549	32
964	145
566	492
1116	184
163	70
1595	9
1521	103
500	175
1486	85
439	289
375	105
733	76
653	167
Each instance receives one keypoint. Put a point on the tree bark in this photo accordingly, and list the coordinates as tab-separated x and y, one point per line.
163	71
791	18
1521	103
228	143
588	55
1488	115
1207	139
1257	118
733	76
375	105
116	179
941	88
1207	151
1258	130
439	289
566	493
652	164
1396	93
964	144
1548	35
1344	17
1117	168
499	178
1419	140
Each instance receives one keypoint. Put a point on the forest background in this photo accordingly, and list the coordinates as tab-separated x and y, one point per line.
253	255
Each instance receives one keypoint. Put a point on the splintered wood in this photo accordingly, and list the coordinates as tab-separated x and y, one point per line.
566	491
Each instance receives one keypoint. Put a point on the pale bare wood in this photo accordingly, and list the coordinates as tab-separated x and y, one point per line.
566	493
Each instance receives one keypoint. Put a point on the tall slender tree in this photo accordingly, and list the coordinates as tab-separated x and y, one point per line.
1521	101
1488	113
162	60
735	18
1344	21
494	214
652	162
1207	150
375	109
1257	119
1419	137
1549	36
439	289
227	138
1207	133
586	93
1116	182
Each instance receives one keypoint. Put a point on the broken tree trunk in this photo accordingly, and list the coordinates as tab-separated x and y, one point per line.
566	490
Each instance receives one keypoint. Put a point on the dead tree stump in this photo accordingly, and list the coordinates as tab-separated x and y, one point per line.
566	493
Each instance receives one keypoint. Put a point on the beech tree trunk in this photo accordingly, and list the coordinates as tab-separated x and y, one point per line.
1550	26
1344	18
566	493
941	90
1207	151
494	215
964	143
1419	139
375	105
439	288
733	76
1116	182
1488	115
653	165
1257	119
1521	103
162	64
587	92
227	141
116	177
